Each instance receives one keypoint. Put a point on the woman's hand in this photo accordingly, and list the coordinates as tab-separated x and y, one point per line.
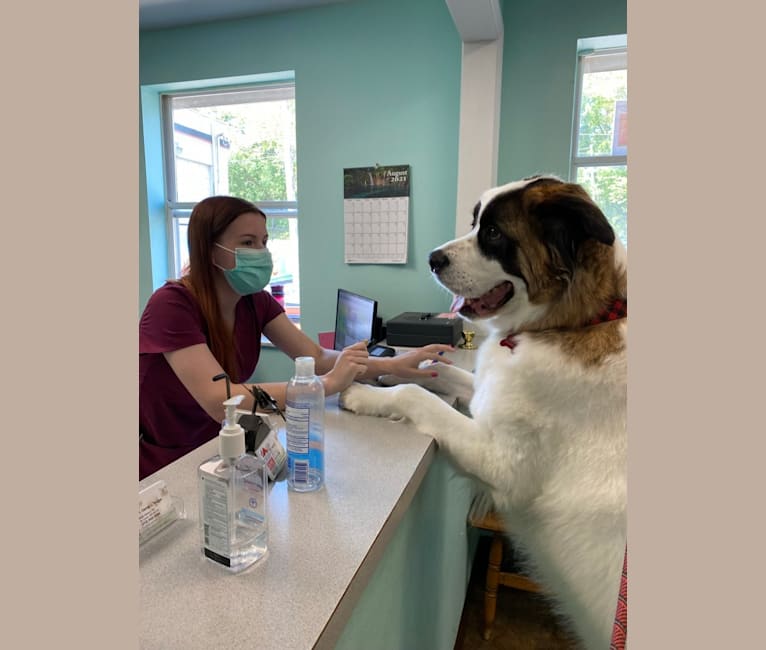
417	364
349	365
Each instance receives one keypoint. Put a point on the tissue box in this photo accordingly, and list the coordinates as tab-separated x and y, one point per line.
415	328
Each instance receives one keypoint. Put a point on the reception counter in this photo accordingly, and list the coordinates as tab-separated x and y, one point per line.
379	558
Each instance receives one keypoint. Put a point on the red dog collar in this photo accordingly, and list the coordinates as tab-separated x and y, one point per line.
618	309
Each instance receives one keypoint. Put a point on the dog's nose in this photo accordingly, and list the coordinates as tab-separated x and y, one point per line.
438	260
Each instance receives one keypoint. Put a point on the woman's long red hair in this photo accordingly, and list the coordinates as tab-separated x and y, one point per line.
209	218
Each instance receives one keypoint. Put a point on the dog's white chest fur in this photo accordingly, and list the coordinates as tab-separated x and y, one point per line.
549	420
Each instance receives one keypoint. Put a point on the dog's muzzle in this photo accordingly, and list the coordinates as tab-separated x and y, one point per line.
438	261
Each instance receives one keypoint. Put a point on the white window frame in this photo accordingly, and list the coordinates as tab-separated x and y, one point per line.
611	61
177	211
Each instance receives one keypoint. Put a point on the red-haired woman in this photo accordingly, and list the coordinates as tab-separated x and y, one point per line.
211	320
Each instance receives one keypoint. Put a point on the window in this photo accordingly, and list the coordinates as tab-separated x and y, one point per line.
600	141
241	143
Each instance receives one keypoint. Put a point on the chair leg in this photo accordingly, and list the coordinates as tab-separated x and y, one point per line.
493	576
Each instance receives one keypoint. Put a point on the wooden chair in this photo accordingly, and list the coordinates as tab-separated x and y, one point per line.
491	522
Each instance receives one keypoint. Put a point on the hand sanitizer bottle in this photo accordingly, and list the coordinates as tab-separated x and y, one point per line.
304	418
232	499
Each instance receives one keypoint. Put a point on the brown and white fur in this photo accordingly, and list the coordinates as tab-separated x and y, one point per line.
547	436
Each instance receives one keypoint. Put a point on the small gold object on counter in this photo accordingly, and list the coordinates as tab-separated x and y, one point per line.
468	340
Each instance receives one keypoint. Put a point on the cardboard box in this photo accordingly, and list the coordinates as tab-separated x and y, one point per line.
415	328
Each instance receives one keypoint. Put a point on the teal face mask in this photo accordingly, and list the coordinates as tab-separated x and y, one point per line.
252	270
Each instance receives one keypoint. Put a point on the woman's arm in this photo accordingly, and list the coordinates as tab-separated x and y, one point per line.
195	366
336	369
283	333
407	365
293	342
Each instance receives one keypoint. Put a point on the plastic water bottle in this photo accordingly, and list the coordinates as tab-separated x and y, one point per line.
304	415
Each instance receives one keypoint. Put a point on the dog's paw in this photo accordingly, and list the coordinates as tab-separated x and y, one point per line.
362	399
390	402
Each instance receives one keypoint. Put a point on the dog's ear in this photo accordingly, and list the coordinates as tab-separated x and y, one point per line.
569	217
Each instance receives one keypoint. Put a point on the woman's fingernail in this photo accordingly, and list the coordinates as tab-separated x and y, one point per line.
434	374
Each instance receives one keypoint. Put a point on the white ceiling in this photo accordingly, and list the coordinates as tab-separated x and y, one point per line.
476	20
159	14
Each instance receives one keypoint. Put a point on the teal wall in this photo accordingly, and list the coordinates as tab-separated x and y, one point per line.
375	83
539	68
416	594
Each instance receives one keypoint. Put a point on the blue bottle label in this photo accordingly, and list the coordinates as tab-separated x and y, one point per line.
305	444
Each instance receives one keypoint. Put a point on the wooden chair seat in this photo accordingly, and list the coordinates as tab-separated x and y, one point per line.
491	521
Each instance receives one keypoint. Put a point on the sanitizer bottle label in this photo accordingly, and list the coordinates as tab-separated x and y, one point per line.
216	524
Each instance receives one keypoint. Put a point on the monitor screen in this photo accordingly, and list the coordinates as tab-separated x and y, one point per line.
354	319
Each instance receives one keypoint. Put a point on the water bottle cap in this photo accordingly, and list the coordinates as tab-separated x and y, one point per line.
304	366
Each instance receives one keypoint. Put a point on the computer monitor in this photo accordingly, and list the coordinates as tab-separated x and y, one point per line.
354	319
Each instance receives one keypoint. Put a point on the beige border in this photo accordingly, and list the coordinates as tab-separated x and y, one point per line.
695	385
70	325
69	238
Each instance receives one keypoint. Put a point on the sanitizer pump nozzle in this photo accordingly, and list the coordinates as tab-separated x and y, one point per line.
231	438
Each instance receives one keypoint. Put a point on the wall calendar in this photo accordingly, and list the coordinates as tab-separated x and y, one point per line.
376	205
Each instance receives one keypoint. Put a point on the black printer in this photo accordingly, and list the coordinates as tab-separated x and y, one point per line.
414	329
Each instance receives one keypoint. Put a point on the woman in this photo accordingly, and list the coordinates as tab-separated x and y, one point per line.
211	320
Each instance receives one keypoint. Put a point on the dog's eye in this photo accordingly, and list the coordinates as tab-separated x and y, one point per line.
493	234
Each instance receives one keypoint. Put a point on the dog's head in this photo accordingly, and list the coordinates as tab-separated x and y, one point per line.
540	253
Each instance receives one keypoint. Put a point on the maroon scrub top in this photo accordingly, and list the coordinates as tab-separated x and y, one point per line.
171	422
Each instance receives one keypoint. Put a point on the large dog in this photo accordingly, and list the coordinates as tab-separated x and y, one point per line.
544	277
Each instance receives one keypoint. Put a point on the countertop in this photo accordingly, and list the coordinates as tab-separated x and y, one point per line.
323	546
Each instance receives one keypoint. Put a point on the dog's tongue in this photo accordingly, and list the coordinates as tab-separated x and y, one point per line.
489	301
